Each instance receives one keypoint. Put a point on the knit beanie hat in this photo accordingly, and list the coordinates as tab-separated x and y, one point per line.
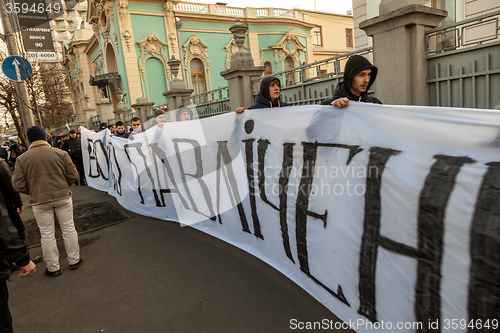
158	112
36	133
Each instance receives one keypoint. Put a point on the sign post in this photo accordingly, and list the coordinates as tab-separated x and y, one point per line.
22	96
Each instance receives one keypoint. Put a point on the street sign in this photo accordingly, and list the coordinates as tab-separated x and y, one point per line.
35	28
41	56
17	68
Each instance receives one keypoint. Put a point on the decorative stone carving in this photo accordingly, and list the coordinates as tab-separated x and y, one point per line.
169	6
123	5
116	43
152	46
122	16
195	48
105	17
173	41
289	45
127	36
232	48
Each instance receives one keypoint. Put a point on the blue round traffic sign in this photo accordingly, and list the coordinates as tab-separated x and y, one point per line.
17	68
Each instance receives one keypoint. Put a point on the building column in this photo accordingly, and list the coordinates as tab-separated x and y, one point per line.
241	70
399	49
105	110
178	91
141	108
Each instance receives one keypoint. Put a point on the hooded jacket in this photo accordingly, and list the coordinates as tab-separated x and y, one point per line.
264	98
182	109
354	65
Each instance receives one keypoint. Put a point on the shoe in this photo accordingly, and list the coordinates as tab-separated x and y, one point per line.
77	265
76	183
52	274
83	183
36	259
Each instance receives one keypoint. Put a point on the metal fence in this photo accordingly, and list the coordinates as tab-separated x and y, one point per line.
314	82
463	63
307	84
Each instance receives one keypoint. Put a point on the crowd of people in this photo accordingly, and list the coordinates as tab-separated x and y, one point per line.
54	162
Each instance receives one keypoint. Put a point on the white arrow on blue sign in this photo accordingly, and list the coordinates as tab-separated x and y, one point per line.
17	68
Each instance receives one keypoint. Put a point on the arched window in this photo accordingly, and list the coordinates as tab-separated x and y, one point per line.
198	82
269	68
290	77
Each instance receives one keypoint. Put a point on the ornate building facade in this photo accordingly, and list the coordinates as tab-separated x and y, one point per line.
131	42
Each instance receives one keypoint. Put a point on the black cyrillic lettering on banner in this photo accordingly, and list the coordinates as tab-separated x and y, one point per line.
302	207
158	191
92	150
433	200
431	213
371	231
484	283
92	159
198	175
286	169
261	156
138	176
283	187
224	156
249	126
162	156
117	178
251	184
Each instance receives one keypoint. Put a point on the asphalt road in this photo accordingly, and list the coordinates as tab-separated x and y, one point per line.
148	275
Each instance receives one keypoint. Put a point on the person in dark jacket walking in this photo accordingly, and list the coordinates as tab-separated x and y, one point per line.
74	148
12	250
14	153
359	76
269	95
4	153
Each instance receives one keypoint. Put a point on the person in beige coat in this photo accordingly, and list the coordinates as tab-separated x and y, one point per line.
46	173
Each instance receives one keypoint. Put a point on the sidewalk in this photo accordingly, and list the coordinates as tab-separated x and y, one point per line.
148	275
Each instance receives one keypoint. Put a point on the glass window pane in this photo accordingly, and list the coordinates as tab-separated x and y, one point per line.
196	66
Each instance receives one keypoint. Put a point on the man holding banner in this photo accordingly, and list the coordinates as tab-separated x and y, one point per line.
359	76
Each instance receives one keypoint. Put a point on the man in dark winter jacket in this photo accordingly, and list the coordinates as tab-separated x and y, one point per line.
74	148
12	250
13	200
269	95
359	75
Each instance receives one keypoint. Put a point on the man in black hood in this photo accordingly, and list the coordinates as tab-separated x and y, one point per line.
269	95
359	75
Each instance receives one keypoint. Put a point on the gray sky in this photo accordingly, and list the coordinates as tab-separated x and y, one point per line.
331	6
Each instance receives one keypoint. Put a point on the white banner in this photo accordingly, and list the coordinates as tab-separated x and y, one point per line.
388	215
